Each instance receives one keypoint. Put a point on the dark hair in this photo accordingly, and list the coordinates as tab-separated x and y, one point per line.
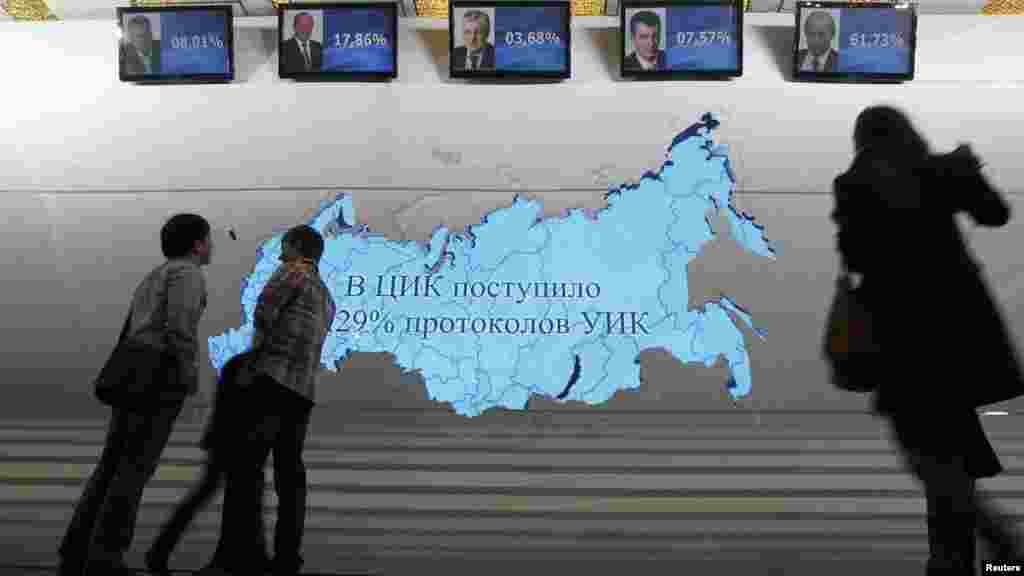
480	16
647	18
180	234
890	128
818	14
141	21
307	241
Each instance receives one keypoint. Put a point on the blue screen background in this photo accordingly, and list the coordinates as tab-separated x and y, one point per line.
543	57
874	59
713	56
189	60
357	21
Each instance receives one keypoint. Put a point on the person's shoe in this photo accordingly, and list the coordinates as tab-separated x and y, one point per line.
1004	545
1005	553
279	569
156	563
214	570
67	567
108	569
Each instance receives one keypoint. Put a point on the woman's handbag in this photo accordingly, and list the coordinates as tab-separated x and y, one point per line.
850	345
136	377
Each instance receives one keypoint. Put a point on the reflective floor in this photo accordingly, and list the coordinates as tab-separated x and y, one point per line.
613	493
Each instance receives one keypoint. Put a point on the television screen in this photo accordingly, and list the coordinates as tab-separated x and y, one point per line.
854	41
502	39
685	38
191	43
338	40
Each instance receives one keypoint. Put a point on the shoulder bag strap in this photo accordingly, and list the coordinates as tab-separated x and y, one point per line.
127	325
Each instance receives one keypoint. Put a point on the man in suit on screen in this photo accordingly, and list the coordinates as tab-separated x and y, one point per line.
140	53
645	30
819	30
478	53
300	53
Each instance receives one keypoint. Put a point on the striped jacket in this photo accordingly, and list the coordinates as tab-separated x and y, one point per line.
293	315
166	309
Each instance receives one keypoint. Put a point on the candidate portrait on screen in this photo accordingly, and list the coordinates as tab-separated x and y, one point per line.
646	31
475	50
818	48
302	52
140	44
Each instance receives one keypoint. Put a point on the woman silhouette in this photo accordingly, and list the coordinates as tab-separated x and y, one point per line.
936	323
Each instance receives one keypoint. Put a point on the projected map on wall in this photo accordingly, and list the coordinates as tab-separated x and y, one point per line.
523	305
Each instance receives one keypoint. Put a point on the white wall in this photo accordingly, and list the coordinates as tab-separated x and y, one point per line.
69	110
261	152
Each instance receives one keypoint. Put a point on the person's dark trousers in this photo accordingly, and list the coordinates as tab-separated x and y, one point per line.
287	441
278	423
241	549
221	442
215	474
103	523
198	497
957	514
952	522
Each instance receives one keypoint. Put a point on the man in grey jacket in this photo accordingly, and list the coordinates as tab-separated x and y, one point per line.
165	312
293	315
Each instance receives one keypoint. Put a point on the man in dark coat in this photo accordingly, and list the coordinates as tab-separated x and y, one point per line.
140	53
935	321
477	53
301	53
819	56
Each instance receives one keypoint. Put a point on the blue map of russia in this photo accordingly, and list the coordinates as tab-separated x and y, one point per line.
523	305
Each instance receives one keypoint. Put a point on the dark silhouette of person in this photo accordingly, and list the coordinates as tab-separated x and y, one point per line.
165	312
645	29
945	350
300	53
291	321
216	441
140	53
477	53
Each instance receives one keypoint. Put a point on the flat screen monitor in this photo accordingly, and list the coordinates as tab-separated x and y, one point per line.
681	38
176	44
509	39
855	41
338	40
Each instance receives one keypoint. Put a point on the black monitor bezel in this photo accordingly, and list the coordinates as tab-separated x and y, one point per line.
229	41
510	74
338	74
679	74
854	77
